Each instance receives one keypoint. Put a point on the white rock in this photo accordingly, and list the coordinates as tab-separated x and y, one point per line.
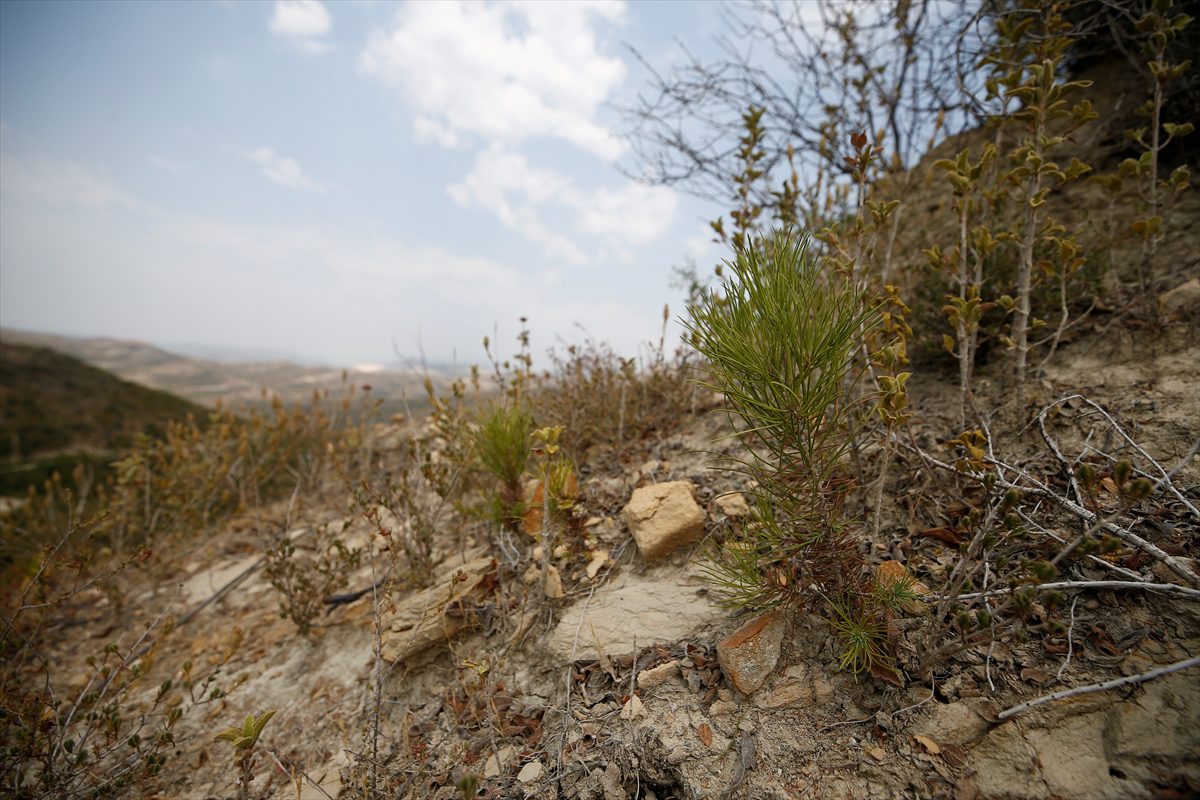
634	611
530	772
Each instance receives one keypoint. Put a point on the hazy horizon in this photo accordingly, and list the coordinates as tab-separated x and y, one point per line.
338	181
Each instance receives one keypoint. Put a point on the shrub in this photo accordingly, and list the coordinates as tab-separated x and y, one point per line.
306	577
782	345
502	446
96	727
599	397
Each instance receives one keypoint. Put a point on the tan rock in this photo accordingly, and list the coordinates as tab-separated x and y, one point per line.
553	586
633	708
663	518
422	619
733	505
960	723
749	654
657	676
1182	301
599	559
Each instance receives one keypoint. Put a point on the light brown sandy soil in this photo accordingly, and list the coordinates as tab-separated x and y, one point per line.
816	731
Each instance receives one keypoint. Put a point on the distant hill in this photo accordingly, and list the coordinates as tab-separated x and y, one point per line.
206	381
57	411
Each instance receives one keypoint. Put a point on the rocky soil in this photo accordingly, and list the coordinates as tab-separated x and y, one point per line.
634	682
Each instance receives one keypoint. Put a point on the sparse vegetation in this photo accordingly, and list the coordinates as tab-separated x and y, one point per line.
964	523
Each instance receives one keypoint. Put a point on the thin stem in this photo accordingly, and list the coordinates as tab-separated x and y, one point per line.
1116	683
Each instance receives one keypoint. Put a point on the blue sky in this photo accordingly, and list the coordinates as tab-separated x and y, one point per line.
328	179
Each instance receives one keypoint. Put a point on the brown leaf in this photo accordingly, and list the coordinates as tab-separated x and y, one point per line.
947	535
705	734
929	744
1103	642
887	674
954	755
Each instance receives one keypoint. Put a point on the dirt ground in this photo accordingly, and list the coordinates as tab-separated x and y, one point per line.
533	702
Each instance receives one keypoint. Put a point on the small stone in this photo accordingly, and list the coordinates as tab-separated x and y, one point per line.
599	559
785	694
750	653
722	707
1182	301
633	708
497	761
656	676
530	772
553	586
733	505
663	518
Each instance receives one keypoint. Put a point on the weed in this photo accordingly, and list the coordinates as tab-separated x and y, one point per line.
305	579
243	739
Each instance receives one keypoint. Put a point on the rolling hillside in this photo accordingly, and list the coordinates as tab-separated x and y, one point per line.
56	411
206	381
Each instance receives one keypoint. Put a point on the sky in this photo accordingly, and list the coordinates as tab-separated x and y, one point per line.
343	181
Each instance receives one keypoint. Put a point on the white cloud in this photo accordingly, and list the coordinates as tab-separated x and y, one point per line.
60	182
702	249
504	72
507	185
635	214
283	170
170	165
304	22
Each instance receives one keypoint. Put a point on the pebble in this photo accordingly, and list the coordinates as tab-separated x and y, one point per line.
530	772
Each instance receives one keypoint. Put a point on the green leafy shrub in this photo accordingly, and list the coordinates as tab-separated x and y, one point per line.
305	573
112	730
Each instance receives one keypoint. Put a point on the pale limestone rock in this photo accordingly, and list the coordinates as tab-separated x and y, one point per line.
663	518
749	654
497	761
657	676
421	619
633	611
1182	301
733	505
531	772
